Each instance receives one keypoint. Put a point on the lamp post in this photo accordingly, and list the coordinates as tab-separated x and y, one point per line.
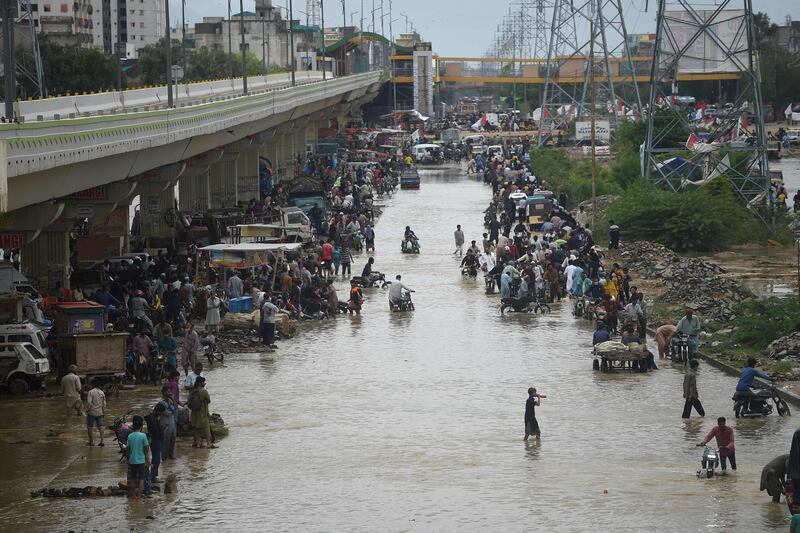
405	17
184	59
291	41
243	47
168	44
264	41
230	40
322	34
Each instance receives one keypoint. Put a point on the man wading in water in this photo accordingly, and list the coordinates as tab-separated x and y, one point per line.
531	425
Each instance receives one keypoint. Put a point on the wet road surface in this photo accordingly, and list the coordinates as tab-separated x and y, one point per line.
414	422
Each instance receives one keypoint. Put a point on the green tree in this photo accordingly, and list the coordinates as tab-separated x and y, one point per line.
152	61
68	69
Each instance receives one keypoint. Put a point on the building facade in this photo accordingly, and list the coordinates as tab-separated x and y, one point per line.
95	23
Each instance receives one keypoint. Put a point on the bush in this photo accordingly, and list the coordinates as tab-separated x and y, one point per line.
759	322
707	219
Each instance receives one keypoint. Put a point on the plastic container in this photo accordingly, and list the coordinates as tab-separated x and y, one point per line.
241	305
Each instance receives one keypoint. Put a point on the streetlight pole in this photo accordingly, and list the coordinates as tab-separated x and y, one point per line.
168	44
264	41
244	47
361	29
344	17
322	33
230	40
183	42
405	17
291	40
9	61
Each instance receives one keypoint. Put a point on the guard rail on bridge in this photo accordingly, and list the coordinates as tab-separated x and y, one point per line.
152	98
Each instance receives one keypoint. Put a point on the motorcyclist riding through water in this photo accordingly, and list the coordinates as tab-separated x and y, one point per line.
749	373
410	239
396	290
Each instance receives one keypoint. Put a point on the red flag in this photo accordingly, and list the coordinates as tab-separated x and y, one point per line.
744	122
692	140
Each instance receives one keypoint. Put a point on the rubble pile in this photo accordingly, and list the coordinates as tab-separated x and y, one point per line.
603	202
787	347
687	280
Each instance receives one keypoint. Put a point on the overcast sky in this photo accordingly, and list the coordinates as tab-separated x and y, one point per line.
457	27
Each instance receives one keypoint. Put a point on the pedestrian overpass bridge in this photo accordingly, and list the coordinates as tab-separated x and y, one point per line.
88	156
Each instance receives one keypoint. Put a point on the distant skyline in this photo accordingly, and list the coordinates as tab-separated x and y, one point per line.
455	27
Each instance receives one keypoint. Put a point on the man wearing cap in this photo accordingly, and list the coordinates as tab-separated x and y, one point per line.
689	325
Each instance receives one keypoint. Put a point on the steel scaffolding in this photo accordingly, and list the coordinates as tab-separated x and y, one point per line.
728	141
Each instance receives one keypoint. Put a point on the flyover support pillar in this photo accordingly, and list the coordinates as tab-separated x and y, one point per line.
157	206
222	181
45	258
247	185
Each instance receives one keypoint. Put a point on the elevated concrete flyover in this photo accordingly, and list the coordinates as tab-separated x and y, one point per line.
52	159
59	175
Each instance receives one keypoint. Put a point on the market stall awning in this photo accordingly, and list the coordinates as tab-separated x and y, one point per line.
245	255
253	247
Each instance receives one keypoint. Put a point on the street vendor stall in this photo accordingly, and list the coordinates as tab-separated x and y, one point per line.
83	341
247	255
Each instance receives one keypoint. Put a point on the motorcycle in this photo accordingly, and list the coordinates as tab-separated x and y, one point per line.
491	282
376	279
404	304
209	344
470	271
122	428
158	367
709	463
523	305
409	246
679	348
579	310
757	403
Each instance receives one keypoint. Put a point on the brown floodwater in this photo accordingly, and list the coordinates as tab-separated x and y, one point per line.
414	422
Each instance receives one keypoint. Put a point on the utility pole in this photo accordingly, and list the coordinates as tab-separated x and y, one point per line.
119	58
243	47
183	43
394	52
168	44
361	28
9	8
264	41
322	32
291	41
344	17
592	99
230	40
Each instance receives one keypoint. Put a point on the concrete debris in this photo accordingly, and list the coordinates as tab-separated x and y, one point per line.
787	347
687	280
603	202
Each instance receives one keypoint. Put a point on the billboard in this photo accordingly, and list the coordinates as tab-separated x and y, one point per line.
720	48
602	130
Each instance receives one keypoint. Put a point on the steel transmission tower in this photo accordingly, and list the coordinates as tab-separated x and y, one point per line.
314	14
732	138
588	40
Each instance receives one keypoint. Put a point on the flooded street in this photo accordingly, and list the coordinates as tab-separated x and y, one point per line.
414	422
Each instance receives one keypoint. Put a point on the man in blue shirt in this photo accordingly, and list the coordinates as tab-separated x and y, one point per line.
749	374
601	335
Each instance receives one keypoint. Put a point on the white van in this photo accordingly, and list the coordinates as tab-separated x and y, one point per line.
24	332
22	367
